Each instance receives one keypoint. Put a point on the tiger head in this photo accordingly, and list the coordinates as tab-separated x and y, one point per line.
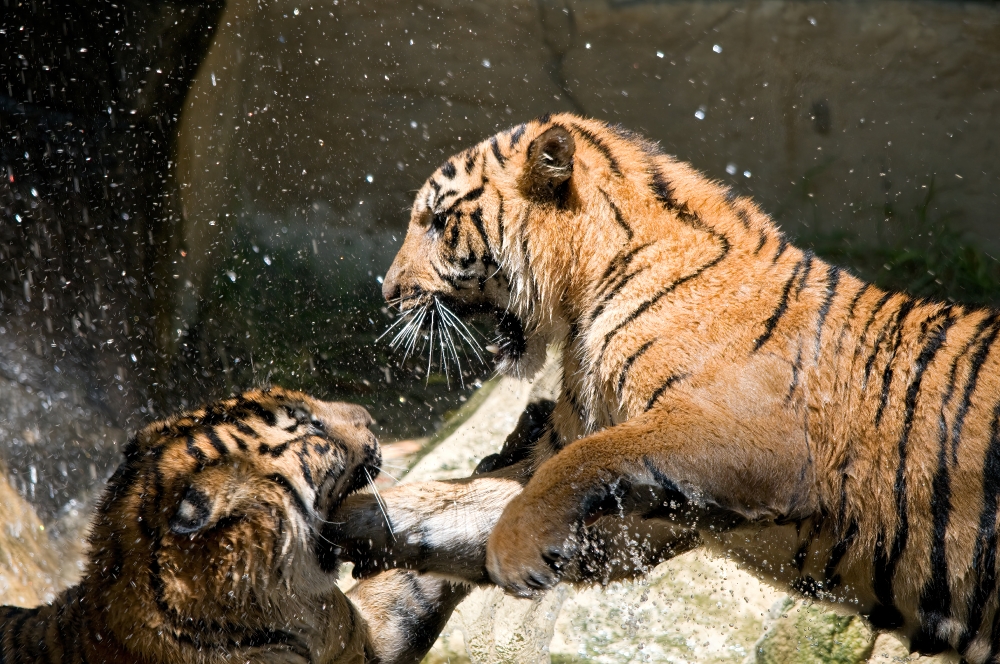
492	225
213	519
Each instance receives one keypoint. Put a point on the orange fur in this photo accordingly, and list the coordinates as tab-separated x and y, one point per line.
847	437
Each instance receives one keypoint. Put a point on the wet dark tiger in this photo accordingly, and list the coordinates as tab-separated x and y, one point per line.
205	549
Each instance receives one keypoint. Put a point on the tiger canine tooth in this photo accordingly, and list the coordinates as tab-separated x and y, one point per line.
493	348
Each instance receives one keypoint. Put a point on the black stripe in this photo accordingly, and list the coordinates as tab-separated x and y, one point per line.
285	484
255	408
213	438
618	264
806	271
619	219
667	384
470	161
17	645
886	560
796	371
469	196
600	146
782	246
984	555
802	554
837	554
195	451
850	315
761	242
741	213
935	597
447	278
306	471
888	373
452	231
495	145
975	366
724	247
623	375
662	190
476	216
500	222
448	170
275	451
876	346
615	290
543	118
516	135
779	311
832	280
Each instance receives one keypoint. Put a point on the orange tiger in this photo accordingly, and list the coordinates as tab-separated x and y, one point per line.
721	387
206	548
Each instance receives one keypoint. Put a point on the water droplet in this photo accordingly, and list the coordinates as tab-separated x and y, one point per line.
588	44
231	275
812	21
486	63
213	79
295	11
700	114
659	54
370	178
746	174
717	48
267	259
731	168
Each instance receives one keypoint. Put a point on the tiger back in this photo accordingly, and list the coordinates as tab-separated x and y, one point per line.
839	440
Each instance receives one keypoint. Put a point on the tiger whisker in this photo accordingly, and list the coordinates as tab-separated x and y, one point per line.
446	333
402	318
401	335
406	335
430	351
415	334
381	504
461	329
444	363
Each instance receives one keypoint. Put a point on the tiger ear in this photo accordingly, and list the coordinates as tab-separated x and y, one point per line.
193	512
549	165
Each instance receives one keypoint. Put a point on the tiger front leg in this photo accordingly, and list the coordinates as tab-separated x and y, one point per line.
702	465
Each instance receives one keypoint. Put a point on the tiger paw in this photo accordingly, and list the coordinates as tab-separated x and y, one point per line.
529	549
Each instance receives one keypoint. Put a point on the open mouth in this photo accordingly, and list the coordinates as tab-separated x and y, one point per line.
510	344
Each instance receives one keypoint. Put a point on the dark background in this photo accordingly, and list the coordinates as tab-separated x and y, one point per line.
199	197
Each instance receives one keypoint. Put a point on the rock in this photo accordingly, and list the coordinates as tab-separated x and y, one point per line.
31	567
803	633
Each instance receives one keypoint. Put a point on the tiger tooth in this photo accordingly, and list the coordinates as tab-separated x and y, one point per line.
493	348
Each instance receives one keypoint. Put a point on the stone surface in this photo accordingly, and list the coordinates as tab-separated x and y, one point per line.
802	633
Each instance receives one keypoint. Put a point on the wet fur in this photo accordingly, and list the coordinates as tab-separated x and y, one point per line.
721	387
205	549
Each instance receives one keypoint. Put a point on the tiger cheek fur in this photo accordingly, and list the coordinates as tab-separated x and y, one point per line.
839	440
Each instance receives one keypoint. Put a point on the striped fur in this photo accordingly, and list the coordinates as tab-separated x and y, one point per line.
206	548
841	441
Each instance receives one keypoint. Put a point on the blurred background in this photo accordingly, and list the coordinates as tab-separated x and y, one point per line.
200	197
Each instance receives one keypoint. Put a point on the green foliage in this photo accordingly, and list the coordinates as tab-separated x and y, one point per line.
918	251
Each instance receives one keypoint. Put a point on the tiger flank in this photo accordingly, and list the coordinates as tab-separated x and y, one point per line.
204	549
721	387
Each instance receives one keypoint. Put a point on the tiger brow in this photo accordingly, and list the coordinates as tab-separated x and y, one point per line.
470	196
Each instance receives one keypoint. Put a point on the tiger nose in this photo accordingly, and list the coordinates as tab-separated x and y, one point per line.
390	286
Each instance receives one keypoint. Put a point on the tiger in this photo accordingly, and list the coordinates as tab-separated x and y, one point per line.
721	388
204	549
